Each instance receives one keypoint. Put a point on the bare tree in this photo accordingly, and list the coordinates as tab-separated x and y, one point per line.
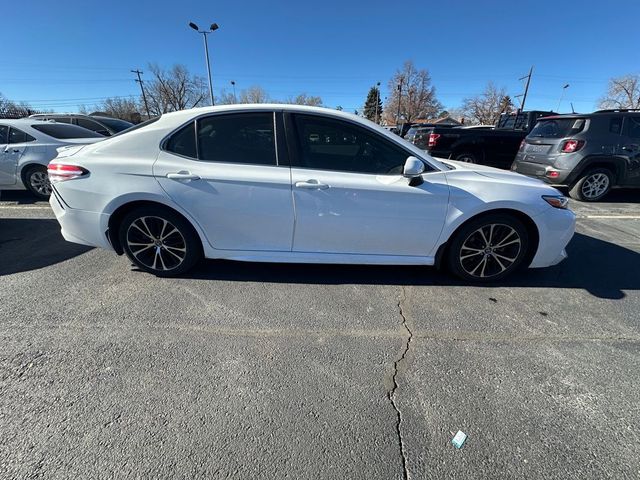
174	89
304	99
226	98
485	109
416	95
622	92
120	107
11	109
253	94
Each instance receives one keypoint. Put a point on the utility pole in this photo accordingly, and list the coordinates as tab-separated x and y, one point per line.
399	102
524	96
144	97
377	100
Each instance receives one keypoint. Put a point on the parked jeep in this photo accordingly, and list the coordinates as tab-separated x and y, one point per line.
589	153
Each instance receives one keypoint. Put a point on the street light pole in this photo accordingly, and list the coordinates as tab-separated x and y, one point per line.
562	96
212	28
235	99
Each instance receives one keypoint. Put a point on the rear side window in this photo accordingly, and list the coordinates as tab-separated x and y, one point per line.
615	125
18	136
237	138
632	127
558	127
183	142
4	134
63	131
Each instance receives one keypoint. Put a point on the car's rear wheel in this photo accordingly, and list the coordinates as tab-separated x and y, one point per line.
37	181
467	157
593	185
159	241
488	248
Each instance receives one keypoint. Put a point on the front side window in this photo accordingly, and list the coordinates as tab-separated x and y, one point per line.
237	138
328	144
18	136
632	127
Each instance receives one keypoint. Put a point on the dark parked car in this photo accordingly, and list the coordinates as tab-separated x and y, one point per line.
588	153
496	147
106	126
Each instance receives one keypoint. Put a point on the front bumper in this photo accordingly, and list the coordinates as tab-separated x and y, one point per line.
556	228
80	226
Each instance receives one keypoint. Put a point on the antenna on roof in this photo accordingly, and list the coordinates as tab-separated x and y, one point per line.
572	110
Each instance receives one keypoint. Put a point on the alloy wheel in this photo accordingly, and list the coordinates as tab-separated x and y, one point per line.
39	183
156	243
595	185
490	250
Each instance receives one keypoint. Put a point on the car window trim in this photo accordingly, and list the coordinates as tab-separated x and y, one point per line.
292	133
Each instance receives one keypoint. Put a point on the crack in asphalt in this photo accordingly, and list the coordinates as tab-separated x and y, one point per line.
392	392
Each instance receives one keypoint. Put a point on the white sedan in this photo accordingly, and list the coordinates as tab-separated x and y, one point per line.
27	146
281	183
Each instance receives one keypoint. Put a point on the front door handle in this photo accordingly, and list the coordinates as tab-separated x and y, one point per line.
182	176
312	185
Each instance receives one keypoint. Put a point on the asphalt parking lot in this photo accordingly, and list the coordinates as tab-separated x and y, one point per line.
297	371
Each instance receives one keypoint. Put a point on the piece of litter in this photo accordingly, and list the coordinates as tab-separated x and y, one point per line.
459	439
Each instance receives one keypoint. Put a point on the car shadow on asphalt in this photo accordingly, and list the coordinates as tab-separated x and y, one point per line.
602	268
29	244
20	197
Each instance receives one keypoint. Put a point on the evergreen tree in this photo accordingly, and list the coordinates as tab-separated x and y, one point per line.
373	99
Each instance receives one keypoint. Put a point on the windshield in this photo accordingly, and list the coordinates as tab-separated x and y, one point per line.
115	124
63	130
557	127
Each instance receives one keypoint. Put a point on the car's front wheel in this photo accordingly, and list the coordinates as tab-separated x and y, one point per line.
37	181
159	241
592	186
488	248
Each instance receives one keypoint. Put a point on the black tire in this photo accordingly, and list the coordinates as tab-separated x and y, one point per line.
477	243
36	180
593	185
163	249
466	157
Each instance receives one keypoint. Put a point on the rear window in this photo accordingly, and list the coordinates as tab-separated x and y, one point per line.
62	131
115	124
558	127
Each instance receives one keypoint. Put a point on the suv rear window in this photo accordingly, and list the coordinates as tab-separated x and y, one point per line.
558	127
63	130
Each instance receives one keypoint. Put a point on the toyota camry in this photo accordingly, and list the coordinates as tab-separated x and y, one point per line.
284	183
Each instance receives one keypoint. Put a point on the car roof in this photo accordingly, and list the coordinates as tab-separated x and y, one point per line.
24	122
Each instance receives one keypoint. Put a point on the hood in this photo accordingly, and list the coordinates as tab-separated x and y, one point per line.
505	176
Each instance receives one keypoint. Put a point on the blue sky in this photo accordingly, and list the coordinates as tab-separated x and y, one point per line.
65	53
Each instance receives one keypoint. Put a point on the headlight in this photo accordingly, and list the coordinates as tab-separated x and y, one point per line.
557	201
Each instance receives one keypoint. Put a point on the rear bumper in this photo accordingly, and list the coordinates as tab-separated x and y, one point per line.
540	171
556	228
81	226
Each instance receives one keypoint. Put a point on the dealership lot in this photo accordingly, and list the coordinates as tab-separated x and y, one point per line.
298	371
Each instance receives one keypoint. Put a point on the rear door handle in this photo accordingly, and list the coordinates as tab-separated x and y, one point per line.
312	185
182	176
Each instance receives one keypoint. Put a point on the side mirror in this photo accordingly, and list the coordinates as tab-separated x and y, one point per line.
413	168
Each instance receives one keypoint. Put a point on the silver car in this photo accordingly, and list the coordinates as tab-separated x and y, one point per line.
26	148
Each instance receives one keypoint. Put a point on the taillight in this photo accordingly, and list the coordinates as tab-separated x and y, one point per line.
522	144
433	139
571	146
59	172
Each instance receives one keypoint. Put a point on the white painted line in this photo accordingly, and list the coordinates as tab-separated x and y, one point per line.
622	217
24	207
